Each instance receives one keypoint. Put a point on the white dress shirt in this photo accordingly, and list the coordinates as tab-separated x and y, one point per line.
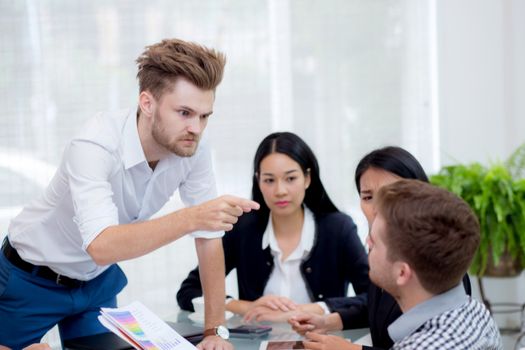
103	180
286	278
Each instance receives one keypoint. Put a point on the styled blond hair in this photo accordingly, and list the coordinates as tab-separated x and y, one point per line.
161	64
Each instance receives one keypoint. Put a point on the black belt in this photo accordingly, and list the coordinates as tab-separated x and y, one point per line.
41	271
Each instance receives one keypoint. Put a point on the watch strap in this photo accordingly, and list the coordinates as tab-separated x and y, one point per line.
210	331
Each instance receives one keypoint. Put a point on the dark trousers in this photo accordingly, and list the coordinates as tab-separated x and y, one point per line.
31	305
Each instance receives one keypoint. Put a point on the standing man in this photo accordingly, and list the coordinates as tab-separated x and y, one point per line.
58	263
422	242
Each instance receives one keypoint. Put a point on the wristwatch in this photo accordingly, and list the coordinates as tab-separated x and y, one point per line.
219	331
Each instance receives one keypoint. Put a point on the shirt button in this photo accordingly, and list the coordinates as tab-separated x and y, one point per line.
308	270
320	296
268	263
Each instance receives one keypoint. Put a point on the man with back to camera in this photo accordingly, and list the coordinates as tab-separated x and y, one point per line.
58	263
421	243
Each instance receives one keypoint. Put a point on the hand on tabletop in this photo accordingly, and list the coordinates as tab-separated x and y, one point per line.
269	306
308	322
214	342
275	302
315	341
263	313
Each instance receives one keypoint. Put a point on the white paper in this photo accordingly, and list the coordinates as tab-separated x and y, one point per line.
144	327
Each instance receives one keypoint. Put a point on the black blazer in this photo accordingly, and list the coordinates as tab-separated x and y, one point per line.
378	310
337	258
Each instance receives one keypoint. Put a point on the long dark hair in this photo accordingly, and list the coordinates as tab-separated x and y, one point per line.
287	143
393	159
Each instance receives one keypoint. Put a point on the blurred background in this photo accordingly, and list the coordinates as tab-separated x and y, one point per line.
444	79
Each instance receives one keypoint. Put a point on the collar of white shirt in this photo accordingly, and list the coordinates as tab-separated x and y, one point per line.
133	153
307	236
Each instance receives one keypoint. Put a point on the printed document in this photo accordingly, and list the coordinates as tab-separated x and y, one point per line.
143	329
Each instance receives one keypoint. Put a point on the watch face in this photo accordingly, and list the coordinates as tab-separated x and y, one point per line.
223	332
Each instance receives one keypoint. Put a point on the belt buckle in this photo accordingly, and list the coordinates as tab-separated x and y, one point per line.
57	280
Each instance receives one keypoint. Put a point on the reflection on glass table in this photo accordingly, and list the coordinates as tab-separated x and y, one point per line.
280	331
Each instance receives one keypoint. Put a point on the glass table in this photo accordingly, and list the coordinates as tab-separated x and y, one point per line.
280	331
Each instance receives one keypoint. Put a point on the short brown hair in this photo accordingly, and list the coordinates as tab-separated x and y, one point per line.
431	229
162	63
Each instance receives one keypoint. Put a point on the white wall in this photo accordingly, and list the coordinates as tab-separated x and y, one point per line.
481	56
481	51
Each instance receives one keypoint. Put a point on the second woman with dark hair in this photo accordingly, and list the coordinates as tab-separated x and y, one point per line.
297	248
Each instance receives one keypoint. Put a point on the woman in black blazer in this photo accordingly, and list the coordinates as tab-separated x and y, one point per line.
297	230
378	309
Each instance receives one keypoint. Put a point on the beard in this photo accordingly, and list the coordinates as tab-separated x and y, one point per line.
383	280
176	145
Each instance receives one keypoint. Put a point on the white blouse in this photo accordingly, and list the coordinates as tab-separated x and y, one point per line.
286	279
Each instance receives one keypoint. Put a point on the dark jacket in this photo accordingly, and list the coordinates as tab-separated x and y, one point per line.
337	258
376	311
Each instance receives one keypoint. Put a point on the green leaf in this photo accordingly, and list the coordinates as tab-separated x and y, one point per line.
496	194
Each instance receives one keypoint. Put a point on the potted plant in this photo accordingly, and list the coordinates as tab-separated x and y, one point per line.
496	194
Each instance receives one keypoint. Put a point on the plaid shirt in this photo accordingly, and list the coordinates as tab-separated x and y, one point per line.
465	325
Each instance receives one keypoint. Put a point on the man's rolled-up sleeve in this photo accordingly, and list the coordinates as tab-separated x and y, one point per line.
89	167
